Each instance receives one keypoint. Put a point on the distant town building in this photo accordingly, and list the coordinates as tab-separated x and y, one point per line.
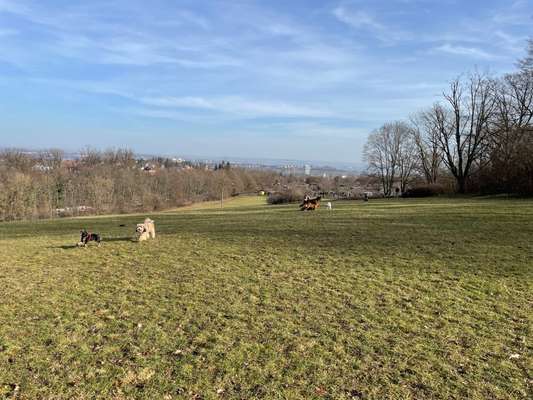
307	169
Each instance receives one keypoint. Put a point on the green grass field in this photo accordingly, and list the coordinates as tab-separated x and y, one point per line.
398	299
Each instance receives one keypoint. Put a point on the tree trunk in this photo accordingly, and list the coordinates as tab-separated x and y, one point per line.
461	184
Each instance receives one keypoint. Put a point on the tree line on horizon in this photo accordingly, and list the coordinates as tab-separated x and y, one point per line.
480	134
46	185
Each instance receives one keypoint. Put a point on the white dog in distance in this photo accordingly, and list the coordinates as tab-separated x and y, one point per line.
329	206
146	230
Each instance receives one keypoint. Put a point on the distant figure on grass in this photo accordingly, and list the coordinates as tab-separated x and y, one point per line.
310	204
86	237
146	230
329	206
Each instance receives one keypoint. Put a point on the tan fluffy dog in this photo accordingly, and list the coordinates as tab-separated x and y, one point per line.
146	230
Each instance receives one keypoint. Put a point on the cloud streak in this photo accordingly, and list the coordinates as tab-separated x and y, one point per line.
472	52
363	20
240	106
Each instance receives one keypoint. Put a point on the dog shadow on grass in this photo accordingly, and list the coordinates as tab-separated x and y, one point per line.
65	247
104	241
118	239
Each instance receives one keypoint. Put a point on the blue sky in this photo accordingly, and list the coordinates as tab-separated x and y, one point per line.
274	79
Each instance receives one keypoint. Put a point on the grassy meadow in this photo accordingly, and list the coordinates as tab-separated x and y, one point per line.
390	299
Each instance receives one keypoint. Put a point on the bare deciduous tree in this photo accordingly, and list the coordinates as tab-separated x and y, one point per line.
426	140
512	141
407	156
463	125
526	63
389	154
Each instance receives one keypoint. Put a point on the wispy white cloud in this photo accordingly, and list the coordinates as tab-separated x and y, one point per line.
502	29
490	32
179	102
164	114
472	52
357	19
517	14
88	32
174	107
137	50
364	20
240	106
514	43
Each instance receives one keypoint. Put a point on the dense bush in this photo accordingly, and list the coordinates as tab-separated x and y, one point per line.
287	196
424	191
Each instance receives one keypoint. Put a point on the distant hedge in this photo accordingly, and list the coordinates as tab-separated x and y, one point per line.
287	196
424	191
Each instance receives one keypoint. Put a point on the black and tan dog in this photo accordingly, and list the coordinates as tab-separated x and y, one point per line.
87	237
310	204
